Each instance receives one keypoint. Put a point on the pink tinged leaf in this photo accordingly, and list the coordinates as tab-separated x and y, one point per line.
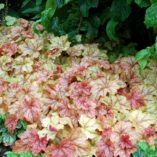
10	123
52	129
125	142
79	90
30	141
30	110
104	64
136	99
38	145
122	91
148	132
107	132
9	48
104	148
65	149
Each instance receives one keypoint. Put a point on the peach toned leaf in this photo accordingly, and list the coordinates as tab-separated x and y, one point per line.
107	85
30	110
104	148
89	126
81	143
66	148
141	120
30	141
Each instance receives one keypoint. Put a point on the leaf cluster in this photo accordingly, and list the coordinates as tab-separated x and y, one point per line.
5	137
144	150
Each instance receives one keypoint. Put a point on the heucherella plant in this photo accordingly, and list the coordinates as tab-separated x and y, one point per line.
75	103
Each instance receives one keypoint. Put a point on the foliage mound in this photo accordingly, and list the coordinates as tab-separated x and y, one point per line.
76	103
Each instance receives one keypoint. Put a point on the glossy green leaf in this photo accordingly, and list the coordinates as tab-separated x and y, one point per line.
51	5
142	3
111	29
120	10
145	53
142	145
151	16
11	154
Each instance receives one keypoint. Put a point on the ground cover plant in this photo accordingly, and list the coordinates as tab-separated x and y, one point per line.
74	101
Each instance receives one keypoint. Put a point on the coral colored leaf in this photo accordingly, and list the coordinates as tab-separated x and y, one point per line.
30	141
30	110
10	123
65	149
9	49
106	85
104	148
136	99
81	143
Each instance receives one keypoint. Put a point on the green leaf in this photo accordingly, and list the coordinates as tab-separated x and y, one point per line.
139	153
33	10
8	139
25	154
142	3
2	117
25	2
38	2
142	145
52	6
152	149
3	129
151	16
145	53
20	127
11	154
111	29
85	5
142	63
1	6
9	20
120	10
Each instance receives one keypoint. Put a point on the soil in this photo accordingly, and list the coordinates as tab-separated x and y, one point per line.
3	149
